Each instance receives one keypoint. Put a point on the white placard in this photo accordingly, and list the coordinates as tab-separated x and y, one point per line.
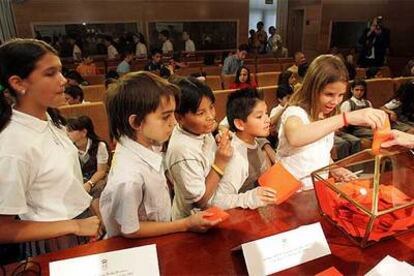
135	261
391	266
285	250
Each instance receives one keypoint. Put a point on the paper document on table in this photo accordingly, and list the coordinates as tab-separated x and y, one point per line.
391	266
135	261
285	250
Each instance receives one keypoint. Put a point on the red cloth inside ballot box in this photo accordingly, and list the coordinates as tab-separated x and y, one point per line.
353	220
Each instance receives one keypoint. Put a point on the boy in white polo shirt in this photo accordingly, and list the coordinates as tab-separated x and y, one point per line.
247	117
194	162
136	202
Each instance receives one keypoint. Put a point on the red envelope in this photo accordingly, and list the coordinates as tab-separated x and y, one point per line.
332	271
282	181
217	214
381	136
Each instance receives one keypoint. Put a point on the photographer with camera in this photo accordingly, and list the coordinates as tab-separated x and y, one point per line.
375	43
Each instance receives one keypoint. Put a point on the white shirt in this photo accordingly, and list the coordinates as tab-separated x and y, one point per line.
393	104
188	160
77	52
101	155
189	46
301	161
141	50
136	189
167	47
346	106
41	178
227	195
112	52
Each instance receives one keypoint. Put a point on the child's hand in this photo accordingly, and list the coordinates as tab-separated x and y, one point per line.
87	227
224	150
197	222
399	138
342	174
266	195
371	117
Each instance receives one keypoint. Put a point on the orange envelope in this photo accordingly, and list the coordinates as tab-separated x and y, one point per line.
217	214
332	271
380	136
282	181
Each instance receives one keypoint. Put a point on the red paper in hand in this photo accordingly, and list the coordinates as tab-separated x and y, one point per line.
280	180
217	213
380	136
332	271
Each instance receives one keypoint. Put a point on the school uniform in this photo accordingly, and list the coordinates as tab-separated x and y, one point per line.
238	186
141	50
136	189
167	47
355	104
188	160
189	46
40	179
112	52
301	161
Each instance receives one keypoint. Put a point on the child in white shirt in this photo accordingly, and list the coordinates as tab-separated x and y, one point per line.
247	116
307	126
136	200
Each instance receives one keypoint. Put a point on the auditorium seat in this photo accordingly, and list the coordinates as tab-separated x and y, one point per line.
214	82
96	79
269	96
94	93
269	67
221	101
267	78
379	91
401	80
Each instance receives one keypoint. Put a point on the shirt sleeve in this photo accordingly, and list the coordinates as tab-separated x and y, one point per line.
345	107
15	179
102	155
295	111
188	175
127	199
393	104
226	66
227	196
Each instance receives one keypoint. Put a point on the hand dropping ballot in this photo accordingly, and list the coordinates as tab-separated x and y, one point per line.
127	262
276	253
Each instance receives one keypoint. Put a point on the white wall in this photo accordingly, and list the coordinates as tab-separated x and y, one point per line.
259	11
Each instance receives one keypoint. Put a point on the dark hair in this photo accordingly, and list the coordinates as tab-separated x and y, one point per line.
112	75
74	75
351	70
302	69
81	123
407	69
359	82
156	51
19	57
405	94
192	93
243	47
284	77
139	94
165	33
371	72
75	92
283	91
237	80
165	73
240	104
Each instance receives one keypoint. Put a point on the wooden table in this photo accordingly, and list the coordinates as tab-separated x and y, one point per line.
211	254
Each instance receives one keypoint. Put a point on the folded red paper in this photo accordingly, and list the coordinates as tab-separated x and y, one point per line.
217	213
280	180
332	271
381	136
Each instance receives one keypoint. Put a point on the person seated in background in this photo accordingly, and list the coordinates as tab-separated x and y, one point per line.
112	52
243	79
299	59
140	48
233	62
408	70
87	67
373	73
93	153
252	42
73	94
288	78
125	66
248	119
167	46
74	78
401	108
261	36
189	46
155	63
280	52
272	40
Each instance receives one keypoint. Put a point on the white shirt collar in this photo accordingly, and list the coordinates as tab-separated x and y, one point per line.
31	121
241	142
197	137
152	157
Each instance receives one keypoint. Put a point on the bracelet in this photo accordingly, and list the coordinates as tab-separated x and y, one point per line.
217	170
344	118
91	183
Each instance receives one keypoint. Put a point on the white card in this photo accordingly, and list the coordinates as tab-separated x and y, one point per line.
285	250
135	261
391	266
